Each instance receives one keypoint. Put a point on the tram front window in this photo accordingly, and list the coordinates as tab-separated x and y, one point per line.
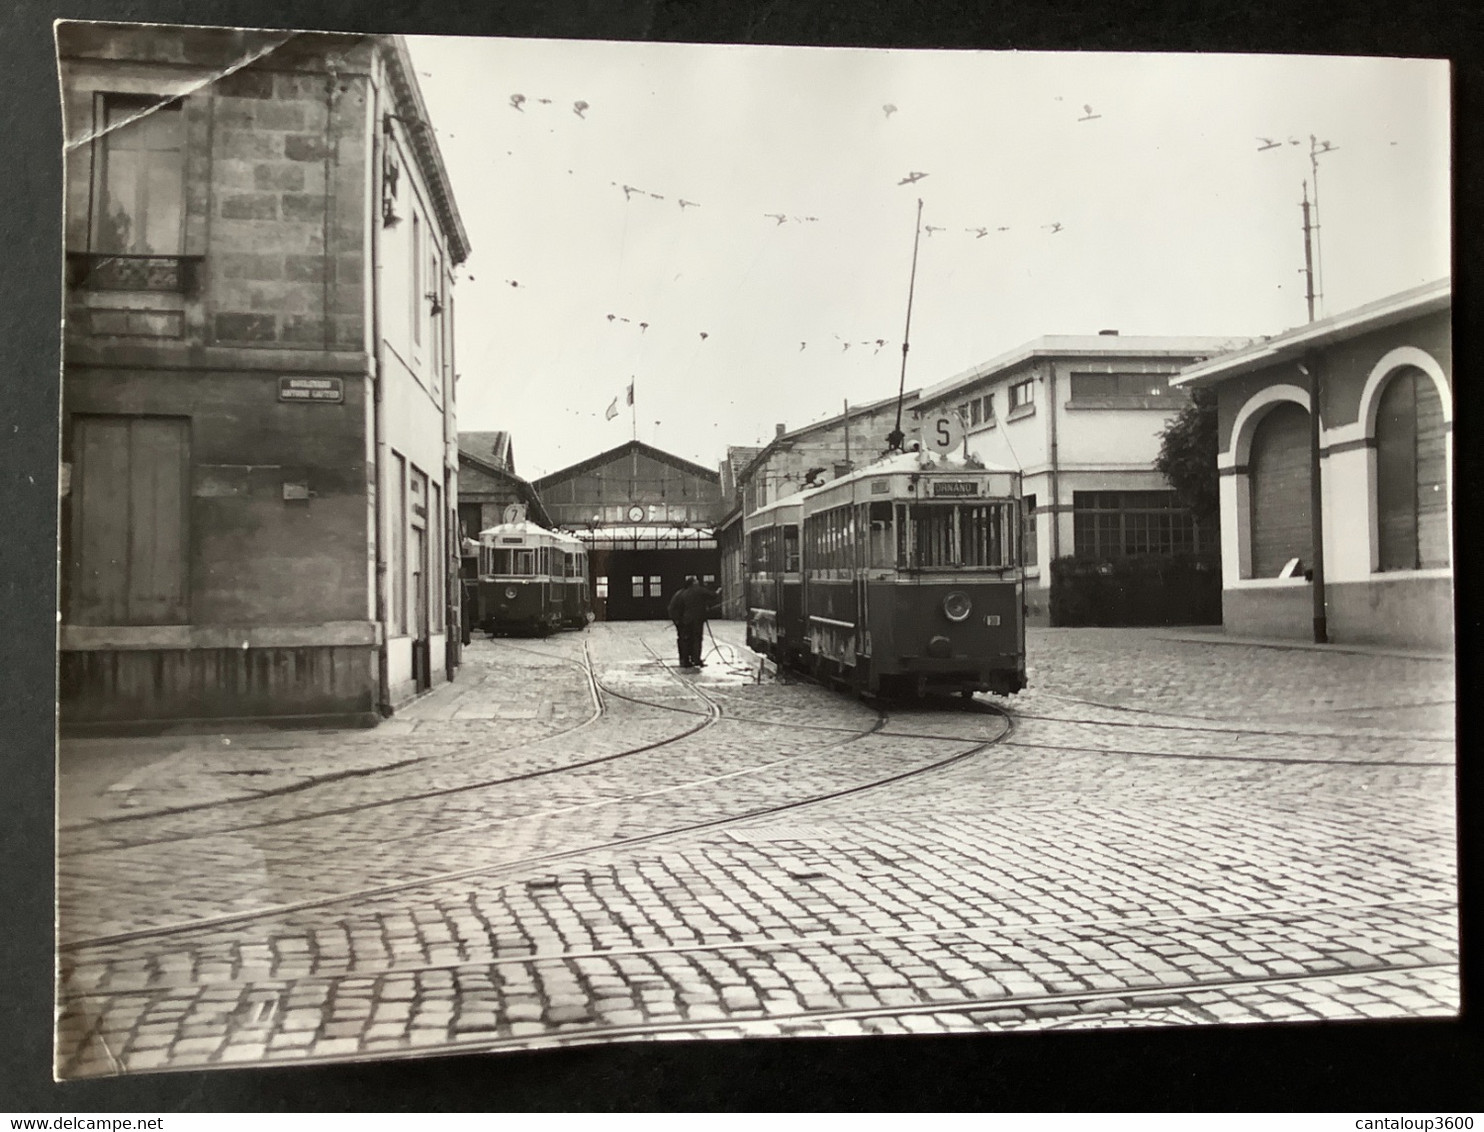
954	536
515	563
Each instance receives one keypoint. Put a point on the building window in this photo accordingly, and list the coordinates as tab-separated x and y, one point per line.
136	232
1113	386
654	585
601	586
140	177
1279	470
129	499
1029	548
1411	474
636	586
417	280
975	408
1023	393
1120	524
988	402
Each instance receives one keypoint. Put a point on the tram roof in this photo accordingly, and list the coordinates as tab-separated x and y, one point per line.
893	464
899	462
525	528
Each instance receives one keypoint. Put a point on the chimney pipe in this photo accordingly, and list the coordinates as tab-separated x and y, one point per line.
781	429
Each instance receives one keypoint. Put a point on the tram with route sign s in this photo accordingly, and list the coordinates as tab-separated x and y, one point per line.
901	578
532	581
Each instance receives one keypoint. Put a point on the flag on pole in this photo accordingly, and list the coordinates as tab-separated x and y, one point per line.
612	410
631	393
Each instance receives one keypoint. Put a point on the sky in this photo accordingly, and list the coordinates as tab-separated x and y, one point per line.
1063	193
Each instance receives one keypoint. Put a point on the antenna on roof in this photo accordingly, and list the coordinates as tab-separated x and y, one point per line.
895	438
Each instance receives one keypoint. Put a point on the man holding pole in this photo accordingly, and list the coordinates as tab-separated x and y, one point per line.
688	609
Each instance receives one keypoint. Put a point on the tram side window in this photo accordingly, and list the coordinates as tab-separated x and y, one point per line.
790	549
879	546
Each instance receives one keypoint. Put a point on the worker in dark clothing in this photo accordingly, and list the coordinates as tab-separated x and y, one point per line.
688	610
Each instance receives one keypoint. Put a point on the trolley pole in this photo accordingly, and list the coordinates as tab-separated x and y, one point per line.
896	437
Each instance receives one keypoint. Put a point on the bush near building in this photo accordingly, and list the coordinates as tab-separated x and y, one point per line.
1180	589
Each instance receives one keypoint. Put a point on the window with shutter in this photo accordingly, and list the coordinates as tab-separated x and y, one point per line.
1280	491
1411	474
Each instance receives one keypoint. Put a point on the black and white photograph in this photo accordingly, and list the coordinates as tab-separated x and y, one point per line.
573	542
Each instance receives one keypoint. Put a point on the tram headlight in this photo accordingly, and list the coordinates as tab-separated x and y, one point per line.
957	606
510	593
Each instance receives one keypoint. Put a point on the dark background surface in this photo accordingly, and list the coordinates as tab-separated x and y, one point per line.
1433	1068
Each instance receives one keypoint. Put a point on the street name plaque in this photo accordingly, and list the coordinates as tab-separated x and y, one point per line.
326	390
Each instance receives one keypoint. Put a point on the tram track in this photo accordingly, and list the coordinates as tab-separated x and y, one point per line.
338	777
1000	929
1107	997
514	866
752	1023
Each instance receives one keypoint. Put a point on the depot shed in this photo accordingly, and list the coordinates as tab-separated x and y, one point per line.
1384	375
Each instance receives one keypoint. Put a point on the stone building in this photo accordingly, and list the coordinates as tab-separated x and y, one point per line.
1385	446
259	439
1080	417
488	485
648	520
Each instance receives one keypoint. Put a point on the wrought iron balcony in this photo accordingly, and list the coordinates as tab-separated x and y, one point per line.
106	271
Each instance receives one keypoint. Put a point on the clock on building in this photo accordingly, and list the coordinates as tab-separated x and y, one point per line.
635	513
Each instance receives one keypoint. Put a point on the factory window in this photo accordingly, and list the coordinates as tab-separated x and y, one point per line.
1112	386
129	542
1119	524
1411	474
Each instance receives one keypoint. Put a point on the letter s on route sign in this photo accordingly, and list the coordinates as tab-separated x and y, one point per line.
942	433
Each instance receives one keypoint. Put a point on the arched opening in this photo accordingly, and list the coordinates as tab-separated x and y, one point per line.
1411	473
1279	469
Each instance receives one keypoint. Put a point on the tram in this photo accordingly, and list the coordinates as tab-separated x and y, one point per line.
531	580
907	574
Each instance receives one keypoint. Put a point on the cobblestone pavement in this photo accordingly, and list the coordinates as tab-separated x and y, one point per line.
573	842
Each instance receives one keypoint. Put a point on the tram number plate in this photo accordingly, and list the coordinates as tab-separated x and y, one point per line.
955	487
992	619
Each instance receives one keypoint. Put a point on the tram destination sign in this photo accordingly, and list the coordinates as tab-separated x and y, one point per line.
324	390
956	489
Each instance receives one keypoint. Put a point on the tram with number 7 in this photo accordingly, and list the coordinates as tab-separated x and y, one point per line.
906	579
532	581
